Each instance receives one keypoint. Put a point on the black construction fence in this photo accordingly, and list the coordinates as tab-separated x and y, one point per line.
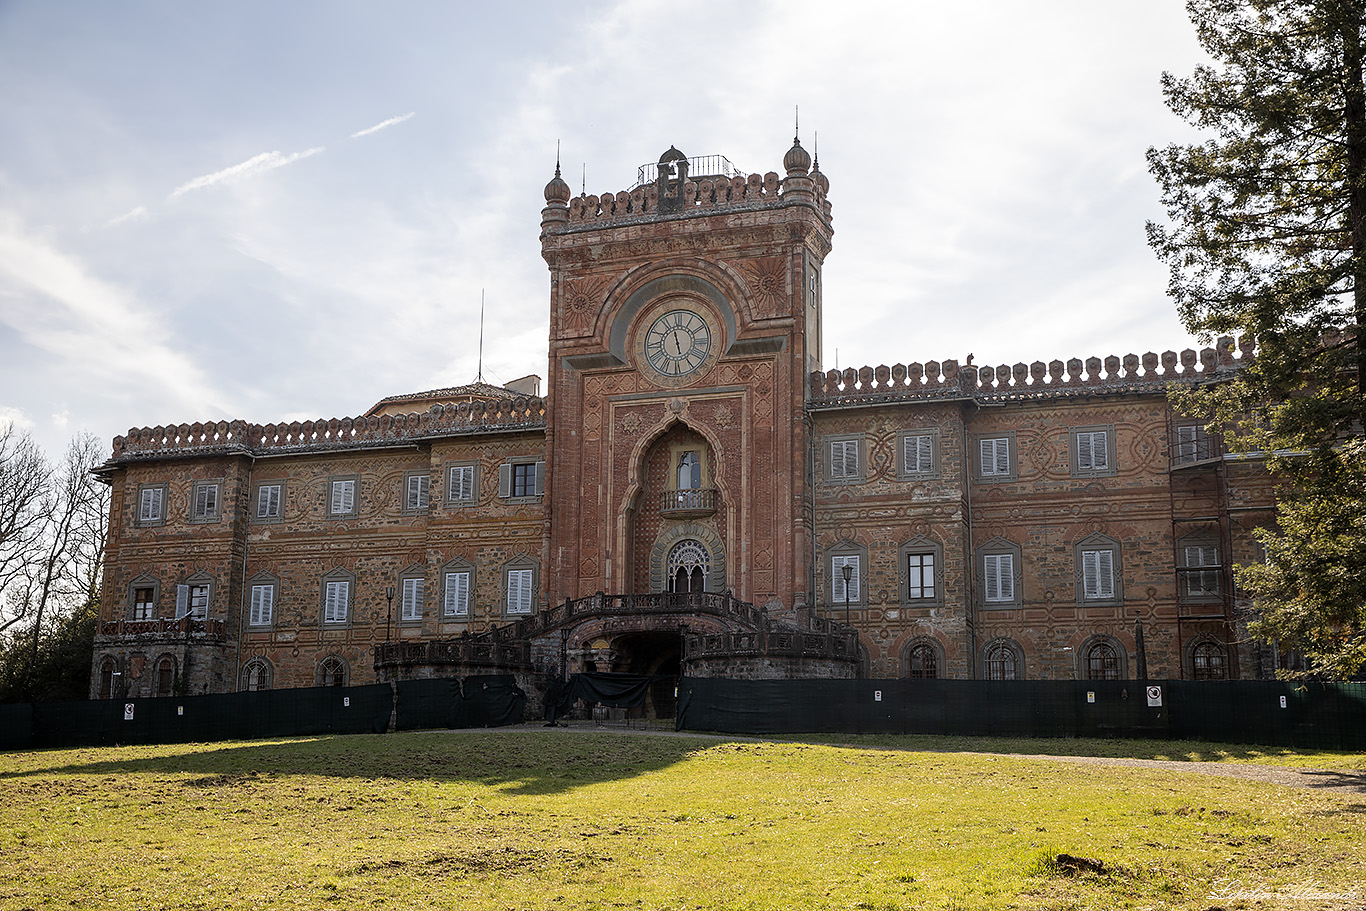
480	702
1311	714
1306	715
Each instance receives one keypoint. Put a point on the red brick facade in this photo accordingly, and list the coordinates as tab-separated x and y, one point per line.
1028	520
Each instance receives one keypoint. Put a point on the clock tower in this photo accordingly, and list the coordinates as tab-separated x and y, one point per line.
685	318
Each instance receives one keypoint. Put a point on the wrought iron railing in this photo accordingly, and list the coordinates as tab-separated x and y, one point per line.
700	166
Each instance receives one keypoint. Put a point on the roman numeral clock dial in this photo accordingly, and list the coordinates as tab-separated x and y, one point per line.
677	343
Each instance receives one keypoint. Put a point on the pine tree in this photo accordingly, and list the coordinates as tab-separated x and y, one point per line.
1267	237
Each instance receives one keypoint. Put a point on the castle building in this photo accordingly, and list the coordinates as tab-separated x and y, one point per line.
694	494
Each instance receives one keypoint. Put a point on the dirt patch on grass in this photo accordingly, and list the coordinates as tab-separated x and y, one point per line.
505	861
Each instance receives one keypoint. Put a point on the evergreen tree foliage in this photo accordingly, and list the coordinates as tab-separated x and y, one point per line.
59	669
1267	237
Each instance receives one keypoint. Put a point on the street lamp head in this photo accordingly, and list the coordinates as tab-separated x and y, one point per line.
848	572
389	593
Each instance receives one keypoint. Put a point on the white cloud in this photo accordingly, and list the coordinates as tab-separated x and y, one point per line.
61	419
383	124
136	214
90	328
266	161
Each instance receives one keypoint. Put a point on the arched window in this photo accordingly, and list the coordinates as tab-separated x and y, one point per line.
923	661
332	672
689	564
1102	662
107	678
689	471
1003	661
165	675
1209	661
256	675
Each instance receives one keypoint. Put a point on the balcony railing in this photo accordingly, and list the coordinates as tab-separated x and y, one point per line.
699	501
699	166
185	627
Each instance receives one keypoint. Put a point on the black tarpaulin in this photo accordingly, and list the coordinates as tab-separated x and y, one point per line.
624	691
491	700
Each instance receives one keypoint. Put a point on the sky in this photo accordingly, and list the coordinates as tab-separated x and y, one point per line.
284	211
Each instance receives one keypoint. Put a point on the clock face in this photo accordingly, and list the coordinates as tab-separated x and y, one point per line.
677	343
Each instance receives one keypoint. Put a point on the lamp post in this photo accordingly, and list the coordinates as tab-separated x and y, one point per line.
848	572
389	623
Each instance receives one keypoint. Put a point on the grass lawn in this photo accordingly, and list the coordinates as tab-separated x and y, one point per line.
1171	750
536	819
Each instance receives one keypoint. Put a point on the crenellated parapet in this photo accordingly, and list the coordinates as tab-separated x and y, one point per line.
1094	375
506	415
674	193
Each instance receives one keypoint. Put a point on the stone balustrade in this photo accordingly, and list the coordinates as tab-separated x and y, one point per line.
517	413
949	378
165	627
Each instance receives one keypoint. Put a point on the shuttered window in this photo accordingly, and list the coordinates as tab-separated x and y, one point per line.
998	577
262	605
837	587
150	504
336	602
520	590
413	594
268	501
844	459
457	600
461	486
1093	451
917	454
206	501
1098	574
343	497
995	457
418	488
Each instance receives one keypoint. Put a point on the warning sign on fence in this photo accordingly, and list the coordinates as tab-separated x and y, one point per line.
1154	695
128	711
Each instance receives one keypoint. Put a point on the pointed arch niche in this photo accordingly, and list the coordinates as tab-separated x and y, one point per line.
678	500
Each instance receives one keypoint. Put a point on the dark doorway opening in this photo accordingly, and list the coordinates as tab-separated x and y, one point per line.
657	653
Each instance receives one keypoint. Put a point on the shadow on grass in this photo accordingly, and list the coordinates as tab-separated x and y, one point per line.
521	762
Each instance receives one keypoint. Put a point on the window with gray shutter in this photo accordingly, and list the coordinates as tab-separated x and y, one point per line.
837	584
336	602
917	454
457	600
413	590
150	504
268	501
998	572
418	490
1093	451
205	501
1098	574
343	497
461	484
520	594
995	457
262	605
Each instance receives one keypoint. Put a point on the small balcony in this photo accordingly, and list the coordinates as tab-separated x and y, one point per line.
698	501
164	628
